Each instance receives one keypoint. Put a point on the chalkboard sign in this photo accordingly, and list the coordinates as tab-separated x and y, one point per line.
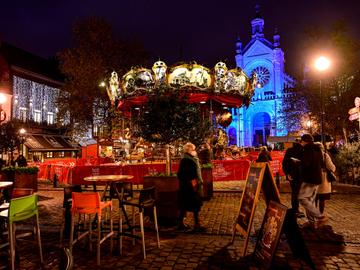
249	199
269	233
259	178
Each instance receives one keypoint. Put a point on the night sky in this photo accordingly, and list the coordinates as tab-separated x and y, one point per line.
205	31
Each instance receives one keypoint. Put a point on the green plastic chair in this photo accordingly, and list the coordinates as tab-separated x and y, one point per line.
21	209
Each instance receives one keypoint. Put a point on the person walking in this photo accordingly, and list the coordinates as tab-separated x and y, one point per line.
310	175
291	167
324	190
264	155
190	187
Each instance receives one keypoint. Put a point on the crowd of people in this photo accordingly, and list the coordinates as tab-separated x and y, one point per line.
306	165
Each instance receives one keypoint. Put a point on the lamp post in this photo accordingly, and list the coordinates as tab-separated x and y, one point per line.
22	134
322	64
2	112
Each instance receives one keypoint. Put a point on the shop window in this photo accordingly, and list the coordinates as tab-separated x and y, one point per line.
50	118
37	116
23	114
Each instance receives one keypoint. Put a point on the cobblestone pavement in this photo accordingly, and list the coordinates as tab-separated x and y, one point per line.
335	246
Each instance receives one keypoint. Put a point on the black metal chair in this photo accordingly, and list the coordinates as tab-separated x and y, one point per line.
145	200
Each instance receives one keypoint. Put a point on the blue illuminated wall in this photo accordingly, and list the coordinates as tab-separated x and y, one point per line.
261	119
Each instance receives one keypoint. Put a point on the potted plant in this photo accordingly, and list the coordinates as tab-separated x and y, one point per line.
23	177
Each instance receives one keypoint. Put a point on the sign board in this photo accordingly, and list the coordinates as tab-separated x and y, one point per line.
353	110
2	115
270	233
354	116
259	177
357	102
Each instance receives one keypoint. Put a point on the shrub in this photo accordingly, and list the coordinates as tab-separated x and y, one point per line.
21	170
348	157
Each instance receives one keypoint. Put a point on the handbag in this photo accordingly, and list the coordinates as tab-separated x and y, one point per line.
195	184
331	176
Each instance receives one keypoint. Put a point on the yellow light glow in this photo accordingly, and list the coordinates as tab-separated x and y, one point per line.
102	84
22	131
308	123
2	98
322	63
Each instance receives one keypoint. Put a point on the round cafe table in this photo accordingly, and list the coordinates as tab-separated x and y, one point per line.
110	181
3	185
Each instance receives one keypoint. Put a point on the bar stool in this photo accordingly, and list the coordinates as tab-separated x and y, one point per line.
145	200
21	209
89	204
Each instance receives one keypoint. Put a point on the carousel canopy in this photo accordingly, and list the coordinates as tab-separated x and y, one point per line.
200	84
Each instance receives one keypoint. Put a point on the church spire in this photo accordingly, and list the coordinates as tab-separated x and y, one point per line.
276	38
238	46
257	24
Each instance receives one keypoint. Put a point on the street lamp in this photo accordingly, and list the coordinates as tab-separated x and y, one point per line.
2	112
322	64
22	133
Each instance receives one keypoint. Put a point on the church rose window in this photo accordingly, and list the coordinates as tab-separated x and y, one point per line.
263	75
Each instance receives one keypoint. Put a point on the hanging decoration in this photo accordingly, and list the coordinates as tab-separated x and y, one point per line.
224	119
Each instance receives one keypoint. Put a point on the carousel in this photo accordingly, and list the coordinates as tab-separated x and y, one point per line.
216	90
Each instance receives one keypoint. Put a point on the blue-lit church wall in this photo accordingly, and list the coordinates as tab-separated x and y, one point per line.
253	125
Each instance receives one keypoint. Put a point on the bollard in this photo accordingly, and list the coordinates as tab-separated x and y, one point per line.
55	182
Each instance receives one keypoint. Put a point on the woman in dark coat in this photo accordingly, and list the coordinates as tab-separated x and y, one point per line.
264	155
189	196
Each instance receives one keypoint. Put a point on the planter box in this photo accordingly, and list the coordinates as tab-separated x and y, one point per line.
21	180
208	186
25	180
167	188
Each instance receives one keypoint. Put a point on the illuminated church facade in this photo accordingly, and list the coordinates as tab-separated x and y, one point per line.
252	126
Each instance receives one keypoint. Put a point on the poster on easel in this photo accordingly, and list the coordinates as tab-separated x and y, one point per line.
269	234
259	178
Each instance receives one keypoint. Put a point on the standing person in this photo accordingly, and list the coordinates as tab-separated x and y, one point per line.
21	161
311	175
324	190
264	155
189	175
291	167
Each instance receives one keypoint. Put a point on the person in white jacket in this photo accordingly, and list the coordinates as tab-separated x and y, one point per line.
324	189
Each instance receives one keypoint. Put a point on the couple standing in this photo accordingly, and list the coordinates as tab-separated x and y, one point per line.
305	166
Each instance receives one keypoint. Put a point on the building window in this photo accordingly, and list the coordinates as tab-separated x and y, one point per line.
50	118
23	114
95	131
62	154
37	116
49	154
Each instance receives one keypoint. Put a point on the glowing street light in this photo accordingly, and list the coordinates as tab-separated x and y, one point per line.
2	112
22	135
322	64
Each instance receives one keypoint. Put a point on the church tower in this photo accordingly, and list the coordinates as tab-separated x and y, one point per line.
265	58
